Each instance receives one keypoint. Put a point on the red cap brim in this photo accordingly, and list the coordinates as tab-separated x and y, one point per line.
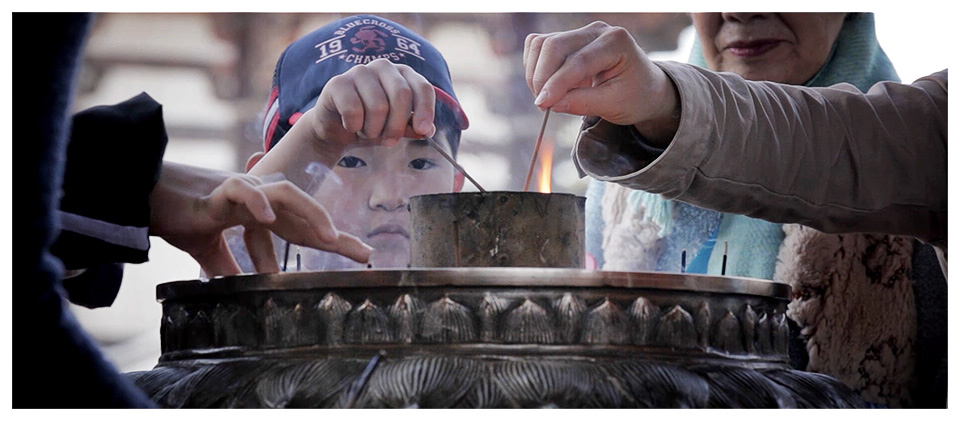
446	99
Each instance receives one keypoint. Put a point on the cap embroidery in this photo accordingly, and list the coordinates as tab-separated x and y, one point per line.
369	40
369	37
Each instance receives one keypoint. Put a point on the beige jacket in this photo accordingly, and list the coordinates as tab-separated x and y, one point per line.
853	298
833	158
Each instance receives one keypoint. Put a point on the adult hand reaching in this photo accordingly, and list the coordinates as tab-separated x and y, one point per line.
599	70
191	207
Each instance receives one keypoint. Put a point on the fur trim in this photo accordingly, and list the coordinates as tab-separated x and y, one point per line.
629	242
853	295
853	300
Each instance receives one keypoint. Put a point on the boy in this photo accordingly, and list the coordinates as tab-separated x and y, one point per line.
368	91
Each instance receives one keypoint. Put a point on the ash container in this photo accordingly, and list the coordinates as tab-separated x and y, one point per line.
497	229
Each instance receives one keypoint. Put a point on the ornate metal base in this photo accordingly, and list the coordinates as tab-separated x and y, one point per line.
480	337
484	382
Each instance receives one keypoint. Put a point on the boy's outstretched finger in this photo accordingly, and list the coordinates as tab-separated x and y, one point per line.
260	247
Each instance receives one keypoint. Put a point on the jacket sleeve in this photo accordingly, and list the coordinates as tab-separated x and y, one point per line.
832	158
113	162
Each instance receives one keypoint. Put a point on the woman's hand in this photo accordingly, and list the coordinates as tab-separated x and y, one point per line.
191	207
599	70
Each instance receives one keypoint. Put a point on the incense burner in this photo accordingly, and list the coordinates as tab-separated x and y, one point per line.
480	337
495	312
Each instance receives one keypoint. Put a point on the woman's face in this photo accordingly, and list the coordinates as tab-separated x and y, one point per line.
779	47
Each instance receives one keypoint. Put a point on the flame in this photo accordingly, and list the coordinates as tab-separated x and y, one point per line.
546	167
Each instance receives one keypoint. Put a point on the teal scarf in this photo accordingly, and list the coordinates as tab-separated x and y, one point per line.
856	58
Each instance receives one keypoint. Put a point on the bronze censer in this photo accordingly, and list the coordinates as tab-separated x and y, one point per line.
496	311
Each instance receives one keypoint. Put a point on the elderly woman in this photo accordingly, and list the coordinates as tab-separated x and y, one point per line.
854	294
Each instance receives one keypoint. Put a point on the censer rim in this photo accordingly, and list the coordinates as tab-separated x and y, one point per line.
481	277
498	192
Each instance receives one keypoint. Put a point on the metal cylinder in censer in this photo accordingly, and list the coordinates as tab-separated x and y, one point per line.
497	229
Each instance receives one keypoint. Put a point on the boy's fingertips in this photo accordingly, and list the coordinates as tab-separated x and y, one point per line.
426	128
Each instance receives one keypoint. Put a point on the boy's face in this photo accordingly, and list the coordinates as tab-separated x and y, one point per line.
378	182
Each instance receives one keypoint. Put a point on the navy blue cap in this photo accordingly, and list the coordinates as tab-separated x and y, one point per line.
309	62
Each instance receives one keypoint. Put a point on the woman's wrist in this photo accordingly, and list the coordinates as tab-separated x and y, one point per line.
659	130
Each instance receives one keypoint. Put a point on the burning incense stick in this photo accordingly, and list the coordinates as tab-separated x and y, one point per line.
536	150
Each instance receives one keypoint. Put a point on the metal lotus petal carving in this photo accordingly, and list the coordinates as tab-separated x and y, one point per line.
236	325
728	335
171	327
332	311
737	388
526	384
529	323
782	335
489	312
703	325
156	383
434	382
485	393
447	321
202	330
645	316
676	329
313	384
606	324
569	310
749	328
366	324
814	390
765	334
405	317
661	386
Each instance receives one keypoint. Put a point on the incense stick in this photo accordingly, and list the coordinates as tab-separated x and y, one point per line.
433	142
536	150
723	268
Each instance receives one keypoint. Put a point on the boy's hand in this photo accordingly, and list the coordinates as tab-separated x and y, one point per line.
599	70
373	103
191	207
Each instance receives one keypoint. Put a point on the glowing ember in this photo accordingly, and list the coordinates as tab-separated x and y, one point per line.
546	167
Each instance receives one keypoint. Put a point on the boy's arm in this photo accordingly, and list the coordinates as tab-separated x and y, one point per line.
372	104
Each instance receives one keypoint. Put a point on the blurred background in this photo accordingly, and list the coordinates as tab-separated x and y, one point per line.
212	73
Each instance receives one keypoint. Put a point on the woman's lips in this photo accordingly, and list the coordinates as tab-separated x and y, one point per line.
752	48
